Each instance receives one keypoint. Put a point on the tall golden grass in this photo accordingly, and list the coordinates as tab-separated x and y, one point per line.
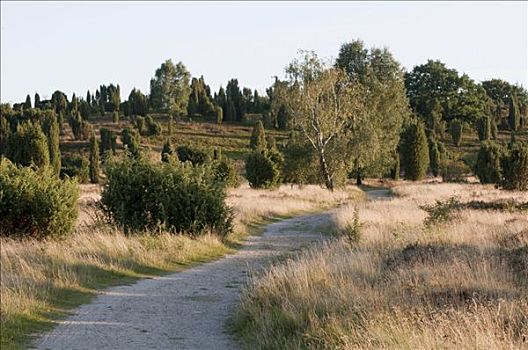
461	284
40	280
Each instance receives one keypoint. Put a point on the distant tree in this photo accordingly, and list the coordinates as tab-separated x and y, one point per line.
115	117
169	89
4	133
152	127
108	141
59	102
257	140
88	98
488	166
219	115
434	157
415	152
166	152
455	128
483	126
74	105
27	104
138	103
221	100
94	160
234	101
514	115
37	100
200	100
28	145
52	131
131	140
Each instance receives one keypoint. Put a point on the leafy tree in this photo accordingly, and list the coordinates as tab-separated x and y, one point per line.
483	126
169	89
300	162
166	152
514	115
94	160
488	167
415	152
374	136
257	140
455	128
28	146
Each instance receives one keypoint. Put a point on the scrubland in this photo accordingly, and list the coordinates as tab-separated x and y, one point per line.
408	282
41	280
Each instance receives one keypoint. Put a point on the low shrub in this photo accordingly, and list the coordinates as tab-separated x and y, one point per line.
153	128
195	155
441	211
140	195
35	202
76	166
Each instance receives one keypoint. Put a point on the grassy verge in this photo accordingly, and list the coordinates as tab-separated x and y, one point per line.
42	280
455	284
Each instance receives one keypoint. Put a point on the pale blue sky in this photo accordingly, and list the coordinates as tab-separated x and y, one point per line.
74	47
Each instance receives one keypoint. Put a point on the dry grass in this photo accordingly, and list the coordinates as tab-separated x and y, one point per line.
41	280
461	284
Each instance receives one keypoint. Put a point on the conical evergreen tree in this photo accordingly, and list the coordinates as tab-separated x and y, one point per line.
94	160
415	152
37	100
514	115
258	137
27	104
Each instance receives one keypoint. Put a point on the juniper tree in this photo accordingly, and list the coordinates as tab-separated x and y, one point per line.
166	152
415	152
488	166
456	128
257	140
514	115
51	129
27	104
37	100
483	126
28	145
94	160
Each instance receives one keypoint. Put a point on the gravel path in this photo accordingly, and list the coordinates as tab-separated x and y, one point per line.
184	310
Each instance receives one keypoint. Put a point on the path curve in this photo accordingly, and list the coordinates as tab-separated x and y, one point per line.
183	310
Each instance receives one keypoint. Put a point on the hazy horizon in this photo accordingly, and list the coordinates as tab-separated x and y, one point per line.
75	47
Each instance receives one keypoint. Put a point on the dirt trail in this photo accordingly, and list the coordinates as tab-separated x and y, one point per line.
184	310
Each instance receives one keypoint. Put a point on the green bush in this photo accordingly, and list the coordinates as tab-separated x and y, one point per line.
488	167
455	129
28	145
454	171
262	171
35	202
171	196
415	152
153	128
76	166
515	168
195	155
130	139
139	123
257	140
226	173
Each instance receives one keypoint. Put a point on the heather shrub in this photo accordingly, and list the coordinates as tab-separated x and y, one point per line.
169	196
35	202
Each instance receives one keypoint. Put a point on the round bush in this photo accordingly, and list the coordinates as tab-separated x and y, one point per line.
262	171
174	197
35	202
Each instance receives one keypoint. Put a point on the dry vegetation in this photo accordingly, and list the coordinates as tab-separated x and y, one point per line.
457	284
41	280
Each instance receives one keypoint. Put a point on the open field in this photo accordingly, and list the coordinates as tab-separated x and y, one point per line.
42	280
459	283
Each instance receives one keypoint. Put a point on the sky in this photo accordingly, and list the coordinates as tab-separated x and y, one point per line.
75	47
